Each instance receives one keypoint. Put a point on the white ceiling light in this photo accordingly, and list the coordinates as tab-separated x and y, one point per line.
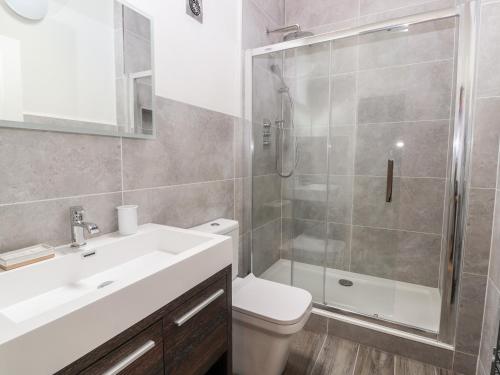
30	9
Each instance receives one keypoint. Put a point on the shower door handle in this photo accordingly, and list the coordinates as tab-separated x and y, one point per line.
390	180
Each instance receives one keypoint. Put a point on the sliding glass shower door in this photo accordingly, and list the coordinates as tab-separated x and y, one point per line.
352	146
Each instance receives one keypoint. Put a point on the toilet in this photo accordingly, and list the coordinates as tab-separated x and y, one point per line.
266	314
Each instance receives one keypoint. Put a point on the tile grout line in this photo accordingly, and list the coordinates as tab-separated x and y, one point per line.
356	359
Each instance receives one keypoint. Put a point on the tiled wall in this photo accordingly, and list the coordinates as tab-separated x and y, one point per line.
485	179
187	176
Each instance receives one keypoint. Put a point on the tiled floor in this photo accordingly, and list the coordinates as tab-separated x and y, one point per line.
315	352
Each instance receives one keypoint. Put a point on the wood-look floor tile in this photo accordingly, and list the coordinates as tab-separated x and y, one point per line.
306	345
337	357
374	362
405	366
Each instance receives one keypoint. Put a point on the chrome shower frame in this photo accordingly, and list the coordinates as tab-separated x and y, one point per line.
457	181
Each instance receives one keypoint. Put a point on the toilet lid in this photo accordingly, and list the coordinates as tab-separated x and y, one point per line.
276	303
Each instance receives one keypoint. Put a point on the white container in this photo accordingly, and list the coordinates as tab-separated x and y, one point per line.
127	219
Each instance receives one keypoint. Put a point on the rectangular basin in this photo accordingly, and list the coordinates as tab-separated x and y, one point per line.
154	266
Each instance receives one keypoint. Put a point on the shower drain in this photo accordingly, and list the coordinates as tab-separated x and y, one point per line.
345	282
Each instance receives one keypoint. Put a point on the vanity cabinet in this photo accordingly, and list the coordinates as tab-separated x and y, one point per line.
189	336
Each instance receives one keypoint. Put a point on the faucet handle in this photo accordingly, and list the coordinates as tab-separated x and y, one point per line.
76	214
93	228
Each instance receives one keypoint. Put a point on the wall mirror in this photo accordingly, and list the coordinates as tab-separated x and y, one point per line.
85	67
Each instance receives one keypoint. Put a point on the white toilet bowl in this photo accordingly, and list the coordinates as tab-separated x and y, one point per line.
266	314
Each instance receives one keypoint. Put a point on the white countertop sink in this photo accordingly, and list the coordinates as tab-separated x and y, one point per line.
56	311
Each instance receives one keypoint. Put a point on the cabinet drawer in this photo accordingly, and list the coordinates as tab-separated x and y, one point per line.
196	333
141	355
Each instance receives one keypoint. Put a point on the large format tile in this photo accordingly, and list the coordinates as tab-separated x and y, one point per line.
478	231
464	364
311	98
306	345
340	199
417	204
185	205
193	145
470	313
397	255
266	242
405	366
343	100
419	149
27	224
307	195
321	13
393	344
491	322
274	9
377	6
488	81
341	152
39	165
422	42
308	61
374	362
407	93
485	148
266	200
337	357
255	26
312	155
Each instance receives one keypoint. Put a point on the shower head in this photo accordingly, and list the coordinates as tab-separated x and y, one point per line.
297	35
291	32
277	70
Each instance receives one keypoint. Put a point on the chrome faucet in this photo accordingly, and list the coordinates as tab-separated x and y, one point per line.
78	226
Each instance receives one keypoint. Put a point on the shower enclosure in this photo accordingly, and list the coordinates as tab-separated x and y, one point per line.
358	170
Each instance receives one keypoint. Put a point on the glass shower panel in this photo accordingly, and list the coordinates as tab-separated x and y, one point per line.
390	136
304	223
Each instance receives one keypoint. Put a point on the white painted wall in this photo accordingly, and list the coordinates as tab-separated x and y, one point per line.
195	63
67	60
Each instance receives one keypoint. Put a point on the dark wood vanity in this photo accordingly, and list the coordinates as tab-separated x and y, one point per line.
189	336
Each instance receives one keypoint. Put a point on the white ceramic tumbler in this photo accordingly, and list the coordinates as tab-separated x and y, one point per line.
127	219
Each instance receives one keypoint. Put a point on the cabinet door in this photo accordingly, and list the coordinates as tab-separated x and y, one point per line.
197	332
141	355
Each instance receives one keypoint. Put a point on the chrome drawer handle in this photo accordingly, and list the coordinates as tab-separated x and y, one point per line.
127	361
183	319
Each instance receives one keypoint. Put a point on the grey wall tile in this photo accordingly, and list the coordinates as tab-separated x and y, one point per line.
485	147
340	199
255	26
137	53
338	250
398	255
275	9
478	231
193	145
266	242
422	42
470	313
243	203
322	13
488	80
311	99
345	55
407	93
312	159
343	99
308	61
377	6
417	203
341	152
306	241
136	23
26	224
39	165
464	364
490	325
423	152
184	205
264	156
266	192
308	196
244	267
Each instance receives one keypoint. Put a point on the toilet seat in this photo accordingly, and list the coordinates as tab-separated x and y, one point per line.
272	306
